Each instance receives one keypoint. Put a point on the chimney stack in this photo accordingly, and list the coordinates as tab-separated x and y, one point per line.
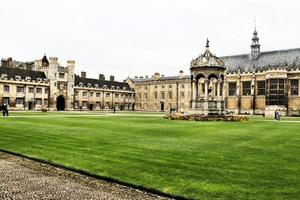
83	74
181	74
112	78
101	77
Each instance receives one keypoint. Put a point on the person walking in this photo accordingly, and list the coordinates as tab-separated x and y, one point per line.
5	110
276	113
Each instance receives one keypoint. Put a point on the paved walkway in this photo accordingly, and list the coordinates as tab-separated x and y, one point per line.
25	179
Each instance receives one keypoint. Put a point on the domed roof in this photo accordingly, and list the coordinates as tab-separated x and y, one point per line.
207	59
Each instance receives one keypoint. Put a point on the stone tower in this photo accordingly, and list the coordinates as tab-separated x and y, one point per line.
255	46
61	82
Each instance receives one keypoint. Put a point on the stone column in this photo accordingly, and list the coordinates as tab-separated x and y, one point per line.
218	89
206	89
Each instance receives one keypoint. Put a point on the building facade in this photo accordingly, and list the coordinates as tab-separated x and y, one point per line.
45	84
254	83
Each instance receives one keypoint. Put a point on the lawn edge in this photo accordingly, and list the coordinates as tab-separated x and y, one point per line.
103	178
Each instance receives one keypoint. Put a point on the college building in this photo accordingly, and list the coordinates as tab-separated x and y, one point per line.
254	83
45	84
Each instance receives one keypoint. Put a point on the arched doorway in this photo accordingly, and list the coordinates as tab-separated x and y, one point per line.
60	103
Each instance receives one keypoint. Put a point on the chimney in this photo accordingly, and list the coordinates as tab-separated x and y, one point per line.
136	77
83	74
181	74
101	77
156	75
112	78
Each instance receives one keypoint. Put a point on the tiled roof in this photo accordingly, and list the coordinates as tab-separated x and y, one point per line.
13	72
101	83
162	78
289	58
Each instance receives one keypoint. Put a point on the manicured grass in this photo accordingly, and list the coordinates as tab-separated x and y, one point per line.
197	160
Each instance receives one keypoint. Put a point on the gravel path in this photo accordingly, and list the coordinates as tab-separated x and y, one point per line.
25	179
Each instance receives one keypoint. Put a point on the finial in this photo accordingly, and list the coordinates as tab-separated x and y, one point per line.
254	24
207	43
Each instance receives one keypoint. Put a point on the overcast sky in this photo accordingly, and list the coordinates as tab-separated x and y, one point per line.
140	37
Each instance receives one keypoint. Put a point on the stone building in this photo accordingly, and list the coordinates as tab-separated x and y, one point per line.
254	83
45	84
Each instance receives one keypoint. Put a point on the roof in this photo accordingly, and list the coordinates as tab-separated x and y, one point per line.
13	72
161	78
265	60
101	83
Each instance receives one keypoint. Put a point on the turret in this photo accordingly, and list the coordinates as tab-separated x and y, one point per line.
255	46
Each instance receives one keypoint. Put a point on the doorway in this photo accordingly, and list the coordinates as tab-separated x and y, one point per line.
60	103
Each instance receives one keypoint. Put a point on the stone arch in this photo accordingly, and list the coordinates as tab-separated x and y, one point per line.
60	103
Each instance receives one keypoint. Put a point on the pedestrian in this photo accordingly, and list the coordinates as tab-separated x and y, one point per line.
114	109
2	109
278	116
276	113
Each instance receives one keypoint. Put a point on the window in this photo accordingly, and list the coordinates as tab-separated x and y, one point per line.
76	93
246	88
276	92
46	102
38	102
6	100
46	90
6	88
155	87
20	89
39	90
31	90
232	89
76	104
61	75
162	86
261	87
155	95
107	95
20	101
182	86
97	94
116	96
139	96
84	104
145	96
162	95
170	86
65	86
170	95
98	104
91	94
294	87
84	94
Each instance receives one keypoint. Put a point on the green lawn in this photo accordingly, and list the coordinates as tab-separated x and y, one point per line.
198	160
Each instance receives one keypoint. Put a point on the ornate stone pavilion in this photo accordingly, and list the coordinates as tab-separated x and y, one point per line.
207	82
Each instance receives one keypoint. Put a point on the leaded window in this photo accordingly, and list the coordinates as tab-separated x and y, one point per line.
232	88
294	87
246	88
276	92
261	87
